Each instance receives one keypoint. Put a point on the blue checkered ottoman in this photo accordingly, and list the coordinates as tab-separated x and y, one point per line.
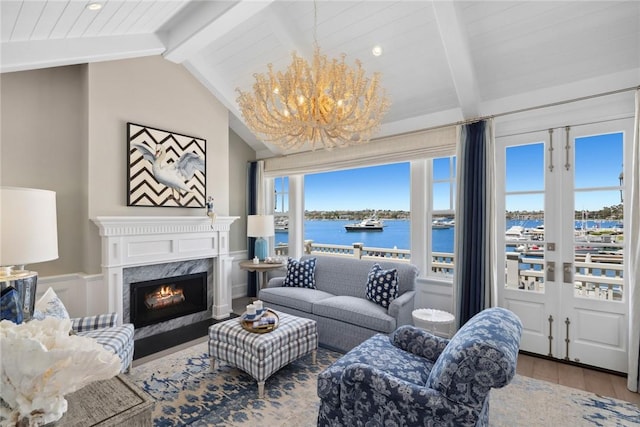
261	355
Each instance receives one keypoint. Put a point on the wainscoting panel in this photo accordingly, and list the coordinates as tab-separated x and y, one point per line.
239	286
86	294
72	289
434	293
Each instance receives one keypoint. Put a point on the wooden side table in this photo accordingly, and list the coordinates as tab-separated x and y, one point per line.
110	403
261	267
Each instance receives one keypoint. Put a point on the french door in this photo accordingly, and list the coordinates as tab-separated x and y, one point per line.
560	203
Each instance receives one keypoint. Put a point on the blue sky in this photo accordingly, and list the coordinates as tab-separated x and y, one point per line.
598	163
376	187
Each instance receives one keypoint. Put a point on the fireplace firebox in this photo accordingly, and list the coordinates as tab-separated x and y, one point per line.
167	298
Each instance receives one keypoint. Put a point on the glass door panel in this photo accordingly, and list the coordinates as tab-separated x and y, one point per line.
594	308
565	196
522	236
599	217
524	217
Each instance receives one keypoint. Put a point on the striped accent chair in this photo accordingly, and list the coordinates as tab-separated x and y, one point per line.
104	329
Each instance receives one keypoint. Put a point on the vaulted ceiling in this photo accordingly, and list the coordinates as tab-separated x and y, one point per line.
442	61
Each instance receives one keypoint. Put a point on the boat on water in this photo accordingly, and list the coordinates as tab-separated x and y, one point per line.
281	223
514	234
442	223
367	224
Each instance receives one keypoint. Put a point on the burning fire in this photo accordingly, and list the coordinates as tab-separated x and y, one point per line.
164	296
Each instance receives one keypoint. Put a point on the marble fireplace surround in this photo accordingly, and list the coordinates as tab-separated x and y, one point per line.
156	244
144	273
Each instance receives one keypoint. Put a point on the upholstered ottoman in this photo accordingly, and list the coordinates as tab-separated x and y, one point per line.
261	355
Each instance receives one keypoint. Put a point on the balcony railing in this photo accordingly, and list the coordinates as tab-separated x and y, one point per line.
595	276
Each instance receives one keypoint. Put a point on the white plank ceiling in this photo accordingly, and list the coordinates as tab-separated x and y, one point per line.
443	61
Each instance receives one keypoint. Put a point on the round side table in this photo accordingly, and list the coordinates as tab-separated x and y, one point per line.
430	319
262	267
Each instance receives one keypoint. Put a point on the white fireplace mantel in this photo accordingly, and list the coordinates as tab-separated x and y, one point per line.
130	241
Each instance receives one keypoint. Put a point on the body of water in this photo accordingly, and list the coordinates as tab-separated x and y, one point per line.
396	233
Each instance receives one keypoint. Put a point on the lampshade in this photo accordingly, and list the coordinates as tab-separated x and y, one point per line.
29	226
260	226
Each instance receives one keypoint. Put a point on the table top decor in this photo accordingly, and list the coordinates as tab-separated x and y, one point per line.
41	363
268	322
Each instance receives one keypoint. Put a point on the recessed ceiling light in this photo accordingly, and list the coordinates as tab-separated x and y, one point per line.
377	50
94	6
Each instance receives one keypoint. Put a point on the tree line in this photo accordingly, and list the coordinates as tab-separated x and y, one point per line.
614	212
357	214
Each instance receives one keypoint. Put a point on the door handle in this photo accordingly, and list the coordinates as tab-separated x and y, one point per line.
551	271
567	272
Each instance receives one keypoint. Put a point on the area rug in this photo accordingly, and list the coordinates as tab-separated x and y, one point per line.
187	393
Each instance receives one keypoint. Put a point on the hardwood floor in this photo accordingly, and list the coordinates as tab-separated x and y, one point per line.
597	382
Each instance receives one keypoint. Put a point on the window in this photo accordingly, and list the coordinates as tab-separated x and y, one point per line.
281	214
442	215
362	212
414	200
281	196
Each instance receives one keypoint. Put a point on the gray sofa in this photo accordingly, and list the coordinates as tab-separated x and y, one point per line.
344	316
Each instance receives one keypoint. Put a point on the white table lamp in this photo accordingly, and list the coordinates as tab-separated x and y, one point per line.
29	234
261	226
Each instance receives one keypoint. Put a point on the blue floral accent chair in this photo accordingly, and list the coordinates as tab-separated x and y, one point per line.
414	378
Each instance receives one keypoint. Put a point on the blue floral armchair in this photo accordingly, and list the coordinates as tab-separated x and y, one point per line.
414	378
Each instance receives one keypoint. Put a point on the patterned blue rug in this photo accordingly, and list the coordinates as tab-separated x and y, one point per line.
188	394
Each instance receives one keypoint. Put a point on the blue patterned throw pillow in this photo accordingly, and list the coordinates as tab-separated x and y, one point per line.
382	285
49	305
301	274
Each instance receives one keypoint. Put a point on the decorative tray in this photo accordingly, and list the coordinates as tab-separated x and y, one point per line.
265	323
252	317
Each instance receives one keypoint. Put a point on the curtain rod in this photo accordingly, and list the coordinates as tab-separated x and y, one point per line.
521	110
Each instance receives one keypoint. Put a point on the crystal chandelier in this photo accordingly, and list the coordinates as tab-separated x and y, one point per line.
325	103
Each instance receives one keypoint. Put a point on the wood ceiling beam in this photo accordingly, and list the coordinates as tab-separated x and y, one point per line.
459	58
205	25
29	55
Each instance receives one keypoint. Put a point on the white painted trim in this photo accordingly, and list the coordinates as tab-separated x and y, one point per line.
131	241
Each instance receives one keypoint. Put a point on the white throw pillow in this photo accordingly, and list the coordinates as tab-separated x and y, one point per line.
49	305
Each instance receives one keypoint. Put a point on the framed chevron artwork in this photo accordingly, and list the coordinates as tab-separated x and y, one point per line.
166	169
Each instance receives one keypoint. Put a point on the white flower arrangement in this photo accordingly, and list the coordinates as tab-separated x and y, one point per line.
41	363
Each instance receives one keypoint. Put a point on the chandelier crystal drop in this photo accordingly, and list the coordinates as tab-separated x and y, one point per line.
325	103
